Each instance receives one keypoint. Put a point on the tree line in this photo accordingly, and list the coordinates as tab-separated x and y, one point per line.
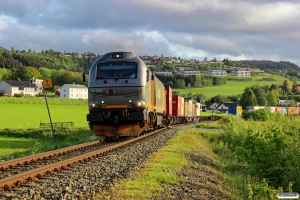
180	81
49	59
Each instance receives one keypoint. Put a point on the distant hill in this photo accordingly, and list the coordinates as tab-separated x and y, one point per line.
283	66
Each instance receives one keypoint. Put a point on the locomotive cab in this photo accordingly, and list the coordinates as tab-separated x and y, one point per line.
124	97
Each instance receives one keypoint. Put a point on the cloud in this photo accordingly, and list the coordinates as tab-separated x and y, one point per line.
254	29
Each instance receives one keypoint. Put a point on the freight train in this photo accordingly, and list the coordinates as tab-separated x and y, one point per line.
125	98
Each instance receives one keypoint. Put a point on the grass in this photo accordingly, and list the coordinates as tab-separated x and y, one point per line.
231	88
16	143
211	125
30	115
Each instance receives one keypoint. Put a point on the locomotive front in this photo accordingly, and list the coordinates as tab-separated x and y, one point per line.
119	97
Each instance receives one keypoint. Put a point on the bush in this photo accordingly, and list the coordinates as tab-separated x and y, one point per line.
19	95
259	115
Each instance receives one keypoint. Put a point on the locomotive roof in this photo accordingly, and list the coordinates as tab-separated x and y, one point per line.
117	55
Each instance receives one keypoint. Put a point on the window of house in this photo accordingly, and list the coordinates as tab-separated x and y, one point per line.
64	95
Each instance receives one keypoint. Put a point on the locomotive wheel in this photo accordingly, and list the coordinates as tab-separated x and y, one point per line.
152	123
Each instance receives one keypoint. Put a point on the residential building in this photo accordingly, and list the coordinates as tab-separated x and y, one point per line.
284	102
190	73
11	87
72	91
296	88
240	73
164	73
216	72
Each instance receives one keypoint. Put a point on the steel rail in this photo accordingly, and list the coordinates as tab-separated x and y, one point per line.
33	158
22	178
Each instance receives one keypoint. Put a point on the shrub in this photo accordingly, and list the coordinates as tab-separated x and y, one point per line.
259	115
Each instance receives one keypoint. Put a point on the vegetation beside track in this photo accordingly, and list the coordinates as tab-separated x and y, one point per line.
261	154
16	143
171	168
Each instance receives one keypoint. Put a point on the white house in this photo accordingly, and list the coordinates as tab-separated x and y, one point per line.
284	102
164	73
73	91
190	73
11	87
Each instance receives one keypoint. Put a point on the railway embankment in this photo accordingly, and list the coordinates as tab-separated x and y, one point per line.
186	168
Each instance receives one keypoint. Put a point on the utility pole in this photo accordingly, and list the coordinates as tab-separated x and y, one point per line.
48	85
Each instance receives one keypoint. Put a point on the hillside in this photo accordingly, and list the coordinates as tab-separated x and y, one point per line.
283	66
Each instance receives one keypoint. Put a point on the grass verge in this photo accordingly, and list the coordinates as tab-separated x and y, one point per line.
16	143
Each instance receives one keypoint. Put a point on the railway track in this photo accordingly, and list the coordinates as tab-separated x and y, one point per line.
25	177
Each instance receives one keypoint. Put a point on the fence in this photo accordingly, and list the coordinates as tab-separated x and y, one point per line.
57	125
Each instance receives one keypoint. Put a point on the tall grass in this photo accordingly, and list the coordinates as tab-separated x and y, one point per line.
263	158
15	143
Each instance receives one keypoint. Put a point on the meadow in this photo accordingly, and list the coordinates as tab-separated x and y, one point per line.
19	116
232	87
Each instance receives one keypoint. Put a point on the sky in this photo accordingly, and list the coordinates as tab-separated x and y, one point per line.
189	29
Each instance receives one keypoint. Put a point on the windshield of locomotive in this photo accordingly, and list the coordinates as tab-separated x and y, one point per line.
116	70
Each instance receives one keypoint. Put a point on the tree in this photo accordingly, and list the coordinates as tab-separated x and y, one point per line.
34	72
248	98
272	98
258	91
234	98
286	86
220	98
12	50
45	72
180	83
262	101
293	103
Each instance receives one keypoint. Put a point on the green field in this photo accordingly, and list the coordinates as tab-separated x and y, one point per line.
22	116
231	88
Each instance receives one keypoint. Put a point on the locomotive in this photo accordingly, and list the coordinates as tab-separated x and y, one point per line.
125	98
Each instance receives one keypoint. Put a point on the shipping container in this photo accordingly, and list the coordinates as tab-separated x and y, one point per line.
293	111
188	108
271	108
168	90
196	109
284	110
279	109
177	106
258	107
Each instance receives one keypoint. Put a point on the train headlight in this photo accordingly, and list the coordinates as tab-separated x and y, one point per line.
138	104
95	105
102	102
